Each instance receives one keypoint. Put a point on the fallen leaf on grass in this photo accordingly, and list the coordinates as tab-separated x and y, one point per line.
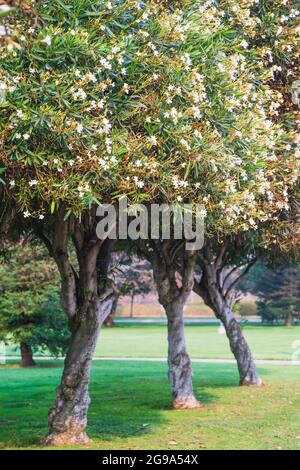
173	443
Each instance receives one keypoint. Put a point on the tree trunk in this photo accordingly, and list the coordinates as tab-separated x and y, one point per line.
240	349
132	306
289	320
180	366
111	317
68	417
173	293
210	290
26	355
87	295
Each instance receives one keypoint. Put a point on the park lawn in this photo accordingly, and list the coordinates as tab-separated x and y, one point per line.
203	341
130	408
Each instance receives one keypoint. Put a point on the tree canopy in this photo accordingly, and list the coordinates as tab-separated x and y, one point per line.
104	99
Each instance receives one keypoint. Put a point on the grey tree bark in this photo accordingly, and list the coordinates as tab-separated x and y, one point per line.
173	292
239	347
87	296
220	299
68	417
111	317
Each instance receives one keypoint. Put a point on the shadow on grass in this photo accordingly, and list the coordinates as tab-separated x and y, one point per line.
127	400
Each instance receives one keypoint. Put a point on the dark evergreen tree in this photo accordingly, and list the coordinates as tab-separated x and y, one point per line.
30	315
278	291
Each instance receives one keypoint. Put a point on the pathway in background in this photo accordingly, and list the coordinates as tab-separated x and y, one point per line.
162	359
187	320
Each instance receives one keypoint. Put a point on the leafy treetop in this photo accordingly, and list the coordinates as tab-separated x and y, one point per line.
108	98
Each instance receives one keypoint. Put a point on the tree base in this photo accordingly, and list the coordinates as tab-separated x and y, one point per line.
251	383
186	403
27	366
66	439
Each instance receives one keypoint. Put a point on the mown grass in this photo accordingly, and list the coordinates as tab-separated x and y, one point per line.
130	408
204	341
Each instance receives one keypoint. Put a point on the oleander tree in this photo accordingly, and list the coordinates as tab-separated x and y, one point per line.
103	99
274	29
224	265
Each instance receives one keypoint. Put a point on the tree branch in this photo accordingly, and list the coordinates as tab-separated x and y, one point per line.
220	255
188	270
240	278
229	274
45	240
67	272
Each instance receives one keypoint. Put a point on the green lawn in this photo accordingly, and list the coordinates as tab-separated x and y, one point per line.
203	341
130	402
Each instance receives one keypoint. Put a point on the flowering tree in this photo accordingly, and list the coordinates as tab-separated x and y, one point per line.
271	31
274	27
127	111
225	264
103	99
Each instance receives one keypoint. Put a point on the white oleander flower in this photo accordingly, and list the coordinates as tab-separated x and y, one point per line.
153	140
47	40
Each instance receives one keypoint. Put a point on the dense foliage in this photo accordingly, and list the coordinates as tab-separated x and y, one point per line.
104	99
278	291
29	301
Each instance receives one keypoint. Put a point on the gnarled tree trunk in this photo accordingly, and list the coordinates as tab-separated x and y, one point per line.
86	296
173	294
26	355
110	320
240	348
68	417
212	290
180	366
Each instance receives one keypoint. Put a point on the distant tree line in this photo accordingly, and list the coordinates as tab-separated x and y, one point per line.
278	292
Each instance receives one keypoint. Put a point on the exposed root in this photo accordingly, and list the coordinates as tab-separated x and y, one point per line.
186	403
251	383
66	439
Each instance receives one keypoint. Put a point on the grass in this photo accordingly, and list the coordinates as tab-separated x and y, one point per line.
203	341
130	400
130	408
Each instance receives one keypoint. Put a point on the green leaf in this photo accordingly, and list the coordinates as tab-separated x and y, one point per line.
52	207
6	12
